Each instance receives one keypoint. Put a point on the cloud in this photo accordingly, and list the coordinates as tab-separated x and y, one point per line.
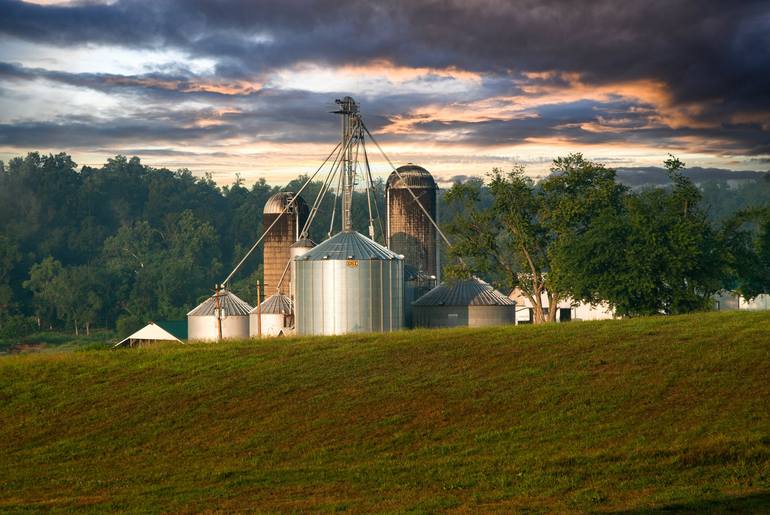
485	74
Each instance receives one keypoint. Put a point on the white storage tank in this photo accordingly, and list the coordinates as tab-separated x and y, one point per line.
277	315
469	303
223	309
299	248
349	284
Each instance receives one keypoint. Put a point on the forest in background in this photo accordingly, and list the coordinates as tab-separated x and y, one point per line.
116	246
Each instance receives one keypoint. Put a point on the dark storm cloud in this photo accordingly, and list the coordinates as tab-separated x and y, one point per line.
713	55
702	49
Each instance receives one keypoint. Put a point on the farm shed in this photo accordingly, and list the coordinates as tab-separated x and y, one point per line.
163	331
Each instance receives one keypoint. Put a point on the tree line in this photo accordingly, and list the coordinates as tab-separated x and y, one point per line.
118	245
579	234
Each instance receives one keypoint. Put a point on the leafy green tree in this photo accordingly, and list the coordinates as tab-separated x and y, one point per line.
190	262
654	253
747	237
134	259
42	284
9	258
520	239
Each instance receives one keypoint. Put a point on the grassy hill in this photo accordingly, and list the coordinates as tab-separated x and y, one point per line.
646	414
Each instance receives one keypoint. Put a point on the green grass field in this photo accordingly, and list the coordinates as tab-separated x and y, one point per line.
638	415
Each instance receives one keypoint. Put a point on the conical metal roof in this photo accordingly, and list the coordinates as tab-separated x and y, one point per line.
229	302
276	304
349	245
470	292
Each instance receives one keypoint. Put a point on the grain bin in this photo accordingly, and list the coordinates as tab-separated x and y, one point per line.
277	317
409	231
281	237
223	309
471	303
298	248
349	284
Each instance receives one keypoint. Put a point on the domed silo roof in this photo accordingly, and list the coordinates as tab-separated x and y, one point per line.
469	292
349	245
229	302
303	243
278	202
412	176
276	304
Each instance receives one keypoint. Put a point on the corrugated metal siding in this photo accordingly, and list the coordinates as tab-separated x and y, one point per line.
349	245
228	301
472	292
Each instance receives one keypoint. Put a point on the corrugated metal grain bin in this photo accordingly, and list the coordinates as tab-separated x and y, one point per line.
470	303
298	248
233	313
349	284
277	314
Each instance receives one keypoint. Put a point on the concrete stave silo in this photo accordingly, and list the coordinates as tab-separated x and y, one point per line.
463	303
277	243
220	317
409	231
349	284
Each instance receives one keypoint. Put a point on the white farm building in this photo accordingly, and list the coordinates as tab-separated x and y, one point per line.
567	308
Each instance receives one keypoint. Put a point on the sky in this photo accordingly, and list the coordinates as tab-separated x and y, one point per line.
245	87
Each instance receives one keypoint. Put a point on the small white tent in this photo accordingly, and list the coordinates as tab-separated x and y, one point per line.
152	332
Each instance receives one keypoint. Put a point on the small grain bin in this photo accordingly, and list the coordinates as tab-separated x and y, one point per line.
471	303
349	284
221	316
277	317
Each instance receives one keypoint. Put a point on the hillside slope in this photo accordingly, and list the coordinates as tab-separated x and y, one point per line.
621	415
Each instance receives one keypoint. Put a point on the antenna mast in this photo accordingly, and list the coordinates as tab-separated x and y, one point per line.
351	128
